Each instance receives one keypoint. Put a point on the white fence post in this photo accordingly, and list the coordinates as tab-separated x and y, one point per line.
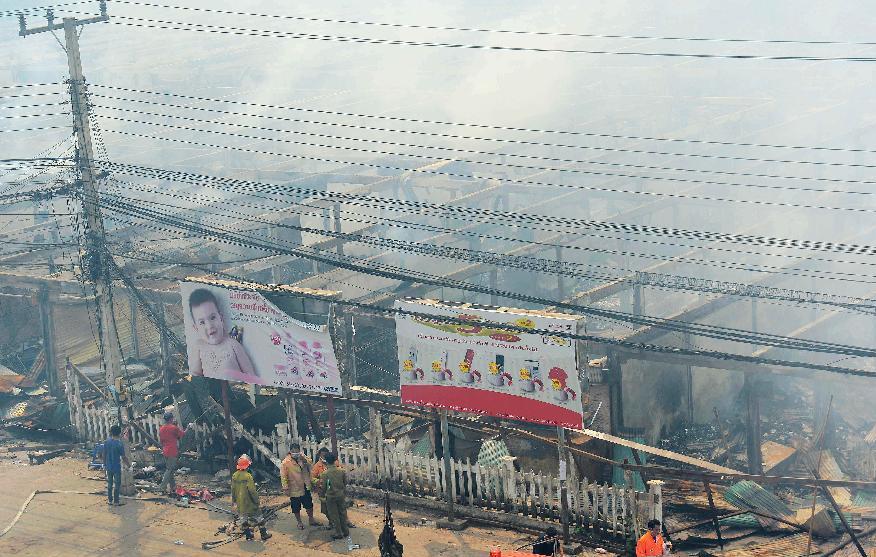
282	440
656	489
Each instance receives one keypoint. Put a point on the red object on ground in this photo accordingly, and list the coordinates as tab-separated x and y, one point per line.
499	404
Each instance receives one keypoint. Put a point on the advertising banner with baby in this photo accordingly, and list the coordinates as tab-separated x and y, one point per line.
479	366
239	335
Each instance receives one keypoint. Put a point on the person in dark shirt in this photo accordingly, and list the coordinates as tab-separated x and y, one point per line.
113	456
547	543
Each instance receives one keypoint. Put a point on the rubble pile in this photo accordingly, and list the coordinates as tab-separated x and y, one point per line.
765	518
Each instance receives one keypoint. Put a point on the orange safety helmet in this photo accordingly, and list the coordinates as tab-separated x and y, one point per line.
243	462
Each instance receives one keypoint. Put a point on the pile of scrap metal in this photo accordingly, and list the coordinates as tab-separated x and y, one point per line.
746	519
26	404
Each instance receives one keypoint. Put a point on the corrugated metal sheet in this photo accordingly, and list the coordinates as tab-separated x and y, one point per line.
864	499
871	437
747	495
75	332
788	546
776	455
830	470
746	520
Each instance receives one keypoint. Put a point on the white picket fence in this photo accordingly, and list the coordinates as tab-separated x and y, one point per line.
603	509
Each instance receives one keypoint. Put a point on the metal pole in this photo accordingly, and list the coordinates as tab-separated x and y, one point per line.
446	456
48	329
292	416
351	411
164	350
819	446
494	285
330	402
564	496
229	436
135	335
561	284
752	430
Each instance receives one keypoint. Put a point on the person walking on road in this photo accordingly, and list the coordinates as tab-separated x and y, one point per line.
652	544
169	435
296	481
245	499
333	485
113	456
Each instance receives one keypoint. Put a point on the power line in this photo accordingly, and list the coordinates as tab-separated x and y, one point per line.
467	212
387	271
504	128
571	269
242	31
26	85
514	155
36	129
248	284
34	115
529	183
251	285
32	105
463	137
497	31
24	95
708	286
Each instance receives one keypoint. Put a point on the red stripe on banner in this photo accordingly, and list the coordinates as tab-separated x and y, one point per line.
501	405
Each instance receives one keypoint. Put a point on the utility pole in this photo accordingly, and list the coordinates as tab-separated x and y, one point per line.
446	455
564	493
47	322
94	262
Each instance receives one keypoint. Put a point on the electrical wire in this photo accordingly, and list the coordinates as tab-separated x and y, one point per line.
23	95
149	23
36	129
513	155
507	128
369	267
497	31
529	183
541	265
467	212
247	284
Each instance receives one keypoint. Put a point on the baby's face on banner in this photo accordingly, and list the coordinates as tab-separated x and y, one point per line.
209	323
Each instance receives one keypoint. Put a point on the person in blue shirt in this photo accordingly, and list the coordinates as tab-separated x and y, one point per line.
113	455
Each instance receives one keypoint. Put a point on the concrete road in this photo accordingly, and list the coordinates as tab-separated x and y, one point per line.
72	524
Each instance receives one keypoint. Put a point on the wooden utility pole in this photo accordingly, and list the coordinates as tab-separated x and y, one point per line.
95	260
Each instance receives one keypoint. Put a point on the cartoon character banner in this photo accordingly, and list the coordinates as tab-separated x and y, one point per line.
239	335
480	367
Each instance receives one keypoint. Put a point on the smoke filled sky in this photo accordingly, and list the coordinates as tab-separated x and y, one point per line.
779	102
